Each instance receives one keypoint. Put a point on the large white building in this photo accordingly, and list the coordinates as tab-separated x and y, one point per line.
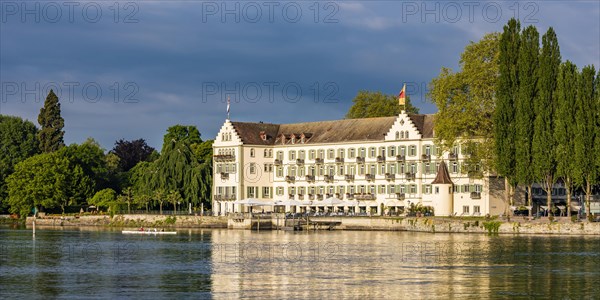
379	165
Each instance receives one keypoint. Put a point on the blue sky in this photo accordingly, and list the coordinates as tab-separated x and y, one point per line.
132	69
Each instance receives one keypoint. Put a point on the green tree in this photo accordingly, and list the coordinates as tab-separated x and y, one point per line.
181	133
175	198
565	127
203	151
586	127
527	66
90	157
375	104
105	198
51	135
127	197
506	95
465	99
543	147
41	181
18	141
159	196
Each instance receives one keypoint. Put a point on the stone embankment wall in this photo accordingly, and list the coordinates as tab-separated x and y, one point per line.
134	221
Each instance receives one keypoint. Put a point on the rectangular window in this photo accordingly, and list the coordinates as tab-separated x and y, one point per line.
392	151
321	154
372	152
311	154
412	150
279	171
280	155
413	188
292	155
465	209
427	188
279	190
382	189
330	154
341	153
476	209
252	168
251	192
301	154
266	192
351	153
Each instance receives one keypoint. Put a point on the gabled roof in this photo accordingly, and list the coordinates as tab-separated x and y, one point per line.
347	130
424	124
442	176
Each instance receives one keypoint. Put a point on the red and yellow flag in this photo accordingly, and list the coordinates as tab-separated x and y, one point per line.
402	96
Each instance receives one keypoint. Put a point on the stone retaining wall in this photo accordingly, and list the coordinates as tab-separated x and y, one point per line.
134	221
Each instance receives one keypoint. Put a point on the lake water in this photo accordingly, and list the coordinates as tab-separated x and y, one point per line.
228	264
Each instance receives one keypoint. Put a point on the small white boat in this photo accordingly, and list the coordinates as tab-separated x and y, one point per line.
147	232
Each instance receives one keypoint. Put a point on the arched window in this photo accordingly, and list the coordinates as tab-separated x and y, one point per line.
397	135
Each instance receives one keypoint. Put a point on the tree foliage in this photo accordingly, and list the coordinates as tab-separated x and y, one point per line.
131	152
104	198
506	95
182	133
51	135
375	104
586	109
18	141
465	99
543	137
565	128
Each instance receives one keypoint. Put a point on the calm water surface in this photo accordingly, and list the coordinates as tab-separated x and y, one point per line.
227	264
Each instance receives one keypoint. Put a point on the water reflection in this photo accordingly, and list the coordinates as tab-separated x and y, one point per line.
270	264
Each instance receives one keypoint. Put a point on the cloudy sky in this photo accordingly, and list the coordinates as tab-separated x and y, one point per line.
132	69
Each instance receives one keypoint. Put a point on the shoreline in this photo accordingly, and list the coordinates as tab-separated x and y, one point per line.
473	225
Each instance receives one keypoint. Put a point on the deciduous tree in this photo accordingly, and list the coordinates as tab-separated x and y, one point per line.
368	104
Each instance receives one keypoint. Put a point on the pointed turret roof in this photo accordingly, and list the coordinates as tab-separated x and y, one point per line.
442	177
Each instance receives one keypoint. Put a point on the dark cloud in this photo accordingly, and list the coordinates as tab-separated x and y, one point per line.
154	70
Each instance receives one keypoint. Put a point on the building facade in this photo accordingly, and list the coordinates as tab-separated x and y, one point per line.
377	165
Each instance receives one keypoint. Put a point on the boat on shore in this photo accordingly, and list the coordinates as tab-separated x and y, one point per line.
148	232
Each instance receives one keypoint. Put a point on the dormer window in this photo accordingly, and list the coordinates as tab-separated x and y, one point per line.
263	136
293	138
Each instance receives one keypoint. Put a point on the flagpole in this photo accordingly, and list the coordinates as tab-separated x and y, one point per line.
228	105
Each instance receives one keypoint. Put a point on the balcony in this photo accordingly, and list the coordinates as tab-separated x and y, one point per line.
337	195
319	161
299	161
390	176
349	177
380	159
224	175
453	156
311	196
410	176
224	197
400	196
360	160
349	196
364	196
475	195
319	197
426	157
310	178
370	177
300	196
328	178
224	157
290	179
400	158
278	162
339	160
291	196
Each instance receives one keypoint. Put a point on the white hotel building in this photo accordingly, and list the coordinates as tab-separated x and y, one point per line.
380	164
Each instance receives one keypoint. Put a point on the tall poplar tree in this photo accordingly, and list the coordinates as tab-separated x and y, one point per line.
543	138
565	127
506	94
586	110
51	135
527	66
